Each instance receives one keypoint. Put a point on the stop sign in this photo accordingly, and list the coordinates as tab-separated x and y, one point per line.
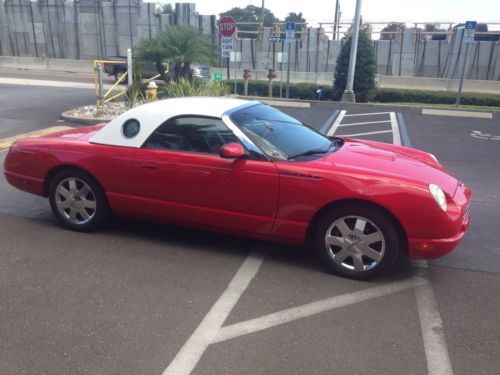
227	26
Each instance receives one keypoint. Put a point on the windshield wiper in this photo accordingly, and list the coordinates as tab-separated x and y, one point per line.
311	152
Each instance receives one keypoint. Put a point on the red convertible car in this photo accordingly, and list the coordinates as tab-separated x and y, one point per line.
246	168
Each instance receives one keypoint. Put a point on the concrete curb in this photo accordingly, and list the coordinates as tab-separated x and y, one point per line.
67	116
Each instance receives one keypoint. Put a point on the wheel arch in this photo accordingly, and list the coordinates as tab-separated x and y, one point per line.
59	168
403	237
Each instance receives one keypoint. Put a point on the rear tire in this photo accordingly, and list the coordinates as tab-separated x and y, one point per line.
78	201
118	75
358	242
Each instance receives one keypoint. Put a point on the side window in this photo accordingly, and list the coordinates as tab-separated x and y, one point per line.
195	134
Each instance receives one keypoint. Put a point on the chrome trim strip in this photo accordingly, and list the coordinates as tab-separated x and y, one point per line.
239	134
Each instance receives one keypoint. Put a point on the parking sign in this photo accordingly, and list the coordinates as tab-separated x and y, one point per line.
290	31
469	31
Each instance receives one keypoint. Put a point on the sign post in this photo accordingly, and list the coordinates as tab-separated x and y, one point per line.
234	58
227	28
467	38
282	57
289	38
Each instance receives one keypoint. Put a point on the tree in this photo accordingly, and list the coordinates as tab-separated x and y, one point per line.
167	8
251	13
431	27
297	18
364	76
393	28
180	46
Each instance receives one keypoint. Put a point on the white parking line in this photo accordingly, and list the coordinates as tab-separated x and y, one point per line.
431	324
189	355
367	133
336	124
396	137
299	312
367	114
364	123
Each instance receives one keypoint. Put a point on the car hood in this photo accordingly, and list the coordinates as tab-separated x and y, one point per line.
402	164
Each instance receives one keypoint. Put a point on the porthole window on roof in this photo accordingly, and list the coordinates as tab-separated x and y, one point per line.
131	128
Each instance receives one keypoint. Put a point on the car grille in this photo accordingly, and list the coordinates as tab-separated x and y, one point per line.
466	212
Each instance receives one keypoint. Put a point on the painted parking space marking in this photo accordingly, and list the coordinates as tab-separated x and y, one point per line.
431	325
7	142
396	137
336	124
452	113
480	135
365	123
390	119
211	330
367	114
190	354
313	308
366	133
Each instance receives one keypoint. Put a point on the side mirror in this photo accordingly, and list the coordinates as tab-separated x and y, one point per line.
232	151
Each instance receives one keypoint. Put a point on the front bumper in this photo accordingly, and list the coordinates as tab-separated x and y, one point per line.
430	248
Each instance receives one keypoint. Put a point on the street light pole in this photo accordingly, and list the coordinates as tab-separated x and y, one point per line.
335	20
348	95
262	14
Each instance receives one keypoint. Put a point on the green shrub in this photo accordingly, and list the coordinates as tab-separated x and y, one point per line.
389	95
304	91
135	94
364	75
192	88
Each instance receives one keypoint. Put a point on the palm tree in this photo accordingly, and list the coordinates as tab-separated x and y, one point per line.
180	46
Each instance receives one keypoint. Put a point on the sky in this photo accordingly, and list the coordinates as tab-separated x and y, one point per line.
425	11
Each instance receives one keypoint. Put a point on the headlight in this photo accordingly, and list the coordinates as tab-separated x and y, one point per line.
438	196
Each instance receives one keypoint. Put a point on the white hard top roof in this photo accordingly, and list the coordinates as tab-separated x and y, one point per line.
151	115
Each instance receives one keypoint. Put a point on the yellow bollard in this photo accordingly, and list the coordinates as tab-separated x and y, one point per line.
152	91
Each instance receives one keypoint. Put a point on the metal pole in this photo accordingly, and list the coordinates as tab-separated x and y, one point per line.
129	67
262	14
335	20
288	71
348	95
4	31
234	62
100	85
281	73
459	93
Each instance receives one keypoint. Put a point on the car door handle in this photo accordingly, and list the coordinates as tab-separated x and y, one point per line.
150	165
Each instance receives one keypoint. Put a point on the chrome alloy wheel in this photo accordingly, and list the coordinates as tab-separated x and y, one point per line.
75	201
355	243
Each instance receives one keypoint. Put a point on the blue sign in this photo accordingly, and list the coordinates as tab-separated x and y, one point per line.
469	31
470	25
290	31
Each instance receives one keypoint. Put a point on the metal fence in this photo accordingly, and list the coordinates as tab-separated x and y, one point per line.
90	29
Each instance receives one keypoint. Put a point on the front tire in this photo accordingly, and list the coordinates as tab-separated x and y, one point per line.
357	242
78	201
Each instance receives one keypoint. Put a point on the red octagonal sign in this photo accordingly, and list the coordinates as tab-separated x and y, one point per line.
227	26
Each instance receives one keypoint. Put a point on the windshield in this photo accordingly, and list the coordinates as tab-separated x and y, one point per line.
279	135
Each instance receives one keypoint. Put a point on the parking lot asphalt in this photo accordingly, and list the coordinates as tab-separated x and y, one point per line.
143	298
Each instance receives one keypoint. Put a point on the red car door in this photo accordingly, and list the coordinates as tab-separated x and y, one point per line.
181	177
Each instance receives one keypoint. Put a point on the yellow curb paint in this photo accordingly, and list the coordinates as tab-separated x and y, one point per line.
7	142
